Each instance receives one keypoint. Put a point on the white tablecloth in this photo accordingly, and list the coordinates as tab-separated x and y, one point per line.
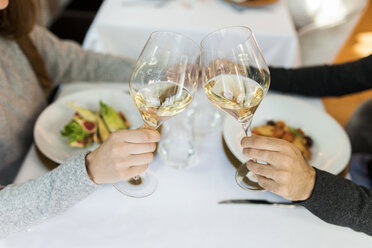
182	213
123	29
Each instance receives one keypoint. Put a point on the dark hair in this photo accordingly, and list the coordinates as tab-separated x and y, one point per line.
18	19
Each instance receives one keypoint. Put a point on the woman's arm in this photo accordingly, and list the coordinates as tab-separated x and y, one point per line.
66	61
124	154
27	204
326	80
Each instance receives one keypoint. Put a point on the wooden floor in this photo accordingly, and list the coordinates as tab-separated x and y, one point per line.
357	46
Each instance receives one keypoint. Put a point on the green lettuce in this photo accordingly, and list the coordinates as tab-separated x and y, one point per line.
74	132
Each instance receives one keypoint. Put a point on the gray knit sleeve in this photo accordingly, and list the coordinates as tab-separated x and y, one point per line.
341	202
66	61
27	204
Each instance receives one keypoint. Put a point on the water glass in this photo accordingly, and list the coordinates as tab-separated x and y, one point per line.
177	145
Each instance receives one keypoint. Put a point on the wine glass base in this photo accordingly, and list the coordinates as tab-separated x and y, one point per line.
245	180
140	189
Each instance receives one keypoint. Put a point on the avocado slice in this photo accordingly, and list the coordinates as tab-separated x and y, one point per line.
111	118
103	132
84	113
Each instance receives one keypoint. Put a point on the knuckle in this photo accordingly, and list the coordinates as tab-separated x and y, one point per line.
152	147
276	190
140	169
246	151
255	140
271	142
143	168
256	169
264	184
145	135
250	163
266	156
156	135
244	142
256	153
150	156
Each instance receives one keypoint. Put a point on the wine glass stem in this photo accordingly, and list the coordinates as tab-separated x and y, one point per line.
248	132
247	127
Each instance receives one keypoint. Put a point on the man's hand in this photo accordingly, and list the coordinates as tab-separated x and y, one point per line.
287	173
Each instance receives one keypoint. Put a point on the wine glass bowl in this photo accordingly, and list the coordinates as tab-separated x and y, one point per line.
235	78
164	79
162	84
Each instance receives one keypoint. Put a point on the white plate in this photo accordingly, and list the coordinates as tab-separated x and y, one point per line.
331	150
53	119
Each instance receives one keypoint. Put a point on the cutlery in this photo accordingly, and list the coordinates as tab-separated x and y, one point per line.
263	202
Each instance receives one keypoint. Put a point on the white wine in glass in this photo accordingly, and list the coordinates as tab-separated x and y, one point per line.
159	101
235	78
162	84
237	96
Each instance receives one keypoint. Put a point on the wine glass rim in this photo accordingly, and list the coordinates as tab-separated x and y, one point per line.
225	28
181	35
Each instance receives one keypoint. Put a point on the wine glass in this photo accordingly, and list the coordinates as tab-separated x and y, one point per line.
235	78
162	84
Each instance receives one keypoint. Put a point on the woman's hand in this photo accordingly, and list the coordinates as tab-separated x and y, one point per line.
287	174
125	154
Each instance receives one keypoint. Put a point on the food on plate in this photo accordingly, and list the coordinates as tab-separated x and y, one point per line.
112	119
278	129
88	127
84	113
103	132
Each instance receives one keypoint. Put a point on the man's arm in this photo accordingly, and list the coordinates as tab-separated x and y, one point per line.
341	202
326	80
331	198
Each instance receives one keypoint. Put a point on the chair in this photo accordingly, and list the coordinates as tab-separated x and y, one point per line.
324	26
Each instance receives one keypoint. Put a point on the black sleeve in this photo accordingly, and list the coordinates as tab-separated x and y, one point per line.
341	202
326	80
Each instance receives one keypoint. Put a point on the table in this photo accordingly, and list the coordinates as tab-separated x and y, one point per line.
123	29
183	212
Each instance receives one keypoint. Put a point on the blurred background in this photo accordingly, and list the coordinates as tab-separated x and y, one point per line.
332	31
69	19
